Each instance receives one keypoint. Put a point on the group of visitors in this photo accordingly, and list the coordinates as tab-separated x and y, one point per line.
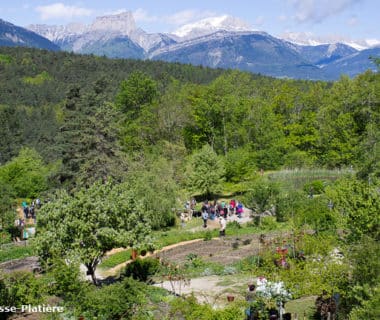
221	209
216	210
30	211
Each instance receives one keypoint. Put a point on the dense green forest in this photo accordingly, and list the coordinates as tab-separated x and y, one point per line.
118	144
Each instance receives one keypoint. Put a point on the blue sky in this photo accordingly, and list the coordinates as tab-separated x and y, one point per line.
346	19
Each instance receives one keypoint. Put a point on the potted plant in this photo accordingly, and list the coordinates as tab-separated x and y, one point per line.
230	298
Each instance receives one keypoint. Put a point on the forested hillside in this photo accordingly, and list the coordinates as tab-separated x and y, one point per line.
51	101
115	147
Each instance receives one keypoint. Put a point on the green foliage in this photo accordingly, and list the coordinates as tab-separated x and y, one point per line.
233	225
141	269
364	258
261	195
288	204
172	236
190	309
95	153
239	164
193	261
314	212
124	300
66	280
268	223
363	296
369	308
249	264
5	59
115	259
15	252
21	288
369	167
153	183
304	211
207	236
317	245
204	172
358	204
314	187
139	89
7	212
91	222
26	174
164	112
38	79
295	179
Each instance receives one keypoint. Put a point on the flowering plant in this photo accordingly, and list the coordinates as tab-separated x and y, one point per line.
272	290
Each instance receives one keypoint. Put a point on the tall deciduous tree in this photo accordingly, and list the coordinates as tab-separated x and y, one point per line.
89	223
26	175
205	171
138	90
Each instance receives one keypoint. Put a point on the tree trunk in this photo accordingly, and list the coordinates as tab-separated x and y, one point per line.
134	254
91	267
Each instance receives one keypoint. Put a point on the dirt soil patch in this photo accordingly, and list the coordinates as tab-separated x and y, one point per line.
225	250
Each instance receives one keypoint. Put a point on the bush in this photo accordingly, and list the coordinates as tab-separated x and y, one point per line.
193	261
20	288
250	263
189	309
314	187
268	223
141	269
262	195
288	204
68	283
124	300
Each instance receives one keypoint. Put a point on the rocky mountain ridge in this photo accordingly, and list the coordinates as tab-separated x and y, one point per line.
221	42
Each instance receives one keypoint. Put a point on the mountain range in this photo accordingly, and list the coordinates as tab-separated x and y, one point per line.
11	36
219	42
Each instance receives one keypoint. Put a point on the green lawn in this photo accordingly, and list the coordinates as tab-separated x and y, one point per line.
303	307
15	252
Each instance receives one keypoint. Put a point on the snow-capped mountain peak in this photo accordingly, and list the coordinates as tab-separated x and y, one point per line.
210	25
56	33
123	23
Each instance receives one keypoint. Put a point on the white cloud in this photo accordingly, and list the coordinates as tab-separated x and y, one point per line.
316	11
372	42
177	19
142	15
114	12
60	10
308	38
186	16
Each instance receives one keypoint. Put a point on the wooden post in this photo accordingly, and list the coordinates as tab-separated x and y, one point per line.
134	254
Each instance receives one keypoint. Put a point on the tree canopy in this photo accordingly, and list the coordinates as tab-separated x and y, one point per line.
90	222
